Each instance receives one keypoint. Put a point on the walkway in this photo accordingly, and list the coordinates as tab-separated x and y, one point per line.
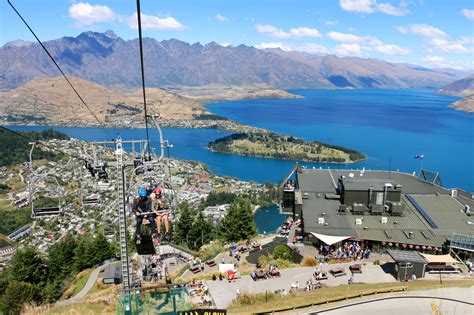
223	292
405	305
89	284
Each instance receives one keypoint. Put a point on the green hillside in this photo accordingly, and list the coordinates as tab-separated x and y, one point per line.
16	149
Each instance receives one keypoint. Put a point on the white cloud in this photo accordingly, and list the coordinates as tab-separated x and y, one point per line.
313	48
299	32
344	37
302	32
348	49
371	6
468	14
329	22
433	59
348	38
308	47
87	14
367	43
392	50
272	31
222	18
424	30
154	22
282	46
436	61
467	40
358	6
389	9
438	40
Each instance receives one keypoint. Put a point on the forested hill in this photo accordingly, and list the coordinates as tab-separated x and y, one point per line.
16	149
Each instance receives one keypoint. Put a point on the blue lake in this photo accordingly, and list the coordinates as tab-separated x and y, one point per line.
384	124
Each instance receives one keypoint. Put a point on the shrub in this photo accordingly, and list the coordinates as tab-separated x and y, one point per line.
309	261
282	252
282	263
68	293
377	262
263	261
246	299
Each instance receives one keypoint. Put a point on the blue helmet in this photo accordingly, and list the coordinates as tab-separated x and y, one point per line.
142	192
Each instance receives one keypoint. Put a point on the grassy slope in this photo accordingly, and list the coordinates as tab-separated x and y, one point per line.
81	280
321	295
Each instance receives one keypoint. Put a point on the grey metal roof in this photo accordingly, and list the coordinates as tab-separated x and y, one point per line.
406	256
366	183
411	228
112	272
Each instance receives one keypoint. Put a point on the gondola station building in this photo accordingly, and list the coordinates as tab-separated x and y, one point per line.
380	208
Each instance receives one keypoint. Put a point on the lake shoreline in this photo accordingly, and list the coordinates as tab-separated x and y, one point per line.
276	158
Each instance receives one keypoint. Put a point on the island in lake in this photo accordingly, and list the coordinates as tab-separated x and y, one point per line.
272	145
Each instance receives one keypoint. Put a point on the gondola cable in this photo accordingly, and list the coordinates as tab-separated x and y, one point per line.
140	40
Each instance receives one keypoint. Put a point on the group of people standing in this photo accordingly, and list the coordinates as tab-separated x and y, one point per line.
151	205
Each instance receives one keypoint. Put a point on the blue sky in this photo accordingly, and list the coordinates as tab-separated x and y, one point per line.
432	33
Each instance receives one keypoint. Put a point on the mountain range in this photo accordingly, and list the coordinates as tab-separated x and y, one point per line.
107	59
463	88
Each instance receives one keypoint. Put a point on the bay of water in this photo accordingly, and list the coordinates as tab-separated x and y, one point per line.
384	124
268	219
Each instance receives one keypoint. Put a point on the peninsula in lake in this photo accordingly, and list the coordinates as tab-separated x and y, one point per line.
272	145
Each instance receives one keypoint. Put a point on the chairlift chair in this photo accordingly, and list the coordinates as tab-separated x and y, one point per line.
43	211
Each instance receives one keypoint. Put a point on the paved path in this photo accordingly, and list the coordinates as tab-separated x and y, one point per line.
90	283
407	306
223	292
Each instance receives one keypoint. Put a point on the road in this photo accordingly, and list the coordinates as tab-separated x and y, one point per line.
406	305
89	284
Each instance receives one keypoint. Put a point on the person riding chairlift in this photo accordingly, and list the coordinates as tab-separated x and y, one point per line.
160	208
142	209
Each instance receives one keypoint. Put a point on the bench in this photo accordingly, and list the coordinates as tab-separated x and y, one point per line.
337	272
272	274
211	263
356	268
195	269
323	275
442	269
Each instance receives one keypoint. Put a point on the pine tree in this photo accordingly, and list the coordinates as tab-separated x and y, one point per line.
202	232
238	224
26	265
102	249
59	259
16	295
184	224
82	254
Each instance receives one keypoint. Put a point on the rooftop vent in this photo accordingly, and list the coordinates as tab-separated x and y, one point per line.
358	221
454	193
320	220
395	222
383	220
